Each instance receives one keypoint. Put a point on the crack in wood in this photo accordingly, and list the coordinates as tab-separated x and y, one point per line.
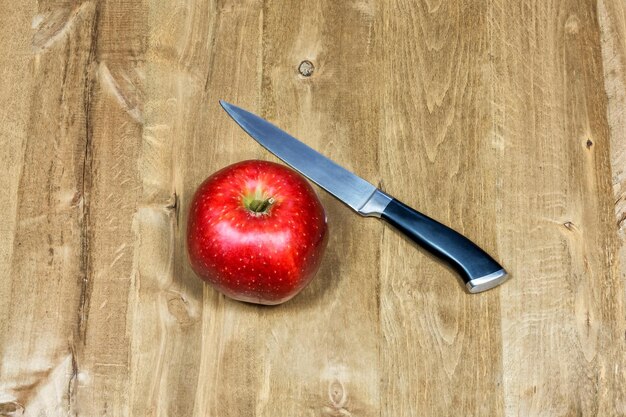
86	282
86	185
218	12
71	385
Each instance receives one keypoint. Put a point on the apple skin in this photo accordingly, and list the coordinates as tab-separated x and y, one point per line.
265	256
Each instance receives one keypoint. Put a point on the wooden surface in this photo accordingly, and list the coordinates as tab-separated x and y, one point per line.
505	120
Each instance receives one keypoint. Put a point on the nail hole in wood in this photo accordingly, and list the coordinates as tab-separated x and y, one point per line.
306	68
589	143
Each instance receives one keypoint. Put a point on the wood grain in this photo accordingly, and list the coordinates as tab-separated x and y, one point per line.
438	153
612	21
321	355
44	287
557	199
502	119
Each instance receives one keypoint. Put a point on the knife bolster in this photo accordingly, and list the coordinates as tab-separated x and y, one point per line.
375	204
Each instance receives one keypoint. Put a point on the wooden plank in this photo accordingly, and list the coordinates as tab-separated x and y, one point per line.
612	21
163	310
441	349
14	106
321	349
71	31
112	186
562	314
15	103
42	296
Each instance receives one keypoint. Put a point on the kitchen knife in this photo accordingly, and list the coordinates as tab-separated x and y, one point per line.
478	270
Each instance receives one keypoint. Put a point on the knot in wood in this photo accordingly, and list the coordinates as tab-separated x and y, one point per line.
337	394
306	68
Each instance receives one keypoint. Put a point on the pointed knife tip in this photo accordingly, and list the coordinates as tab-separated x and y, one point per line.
226	105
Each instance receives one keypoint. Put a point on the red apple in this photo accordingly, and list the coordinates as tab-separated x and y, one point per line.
256	232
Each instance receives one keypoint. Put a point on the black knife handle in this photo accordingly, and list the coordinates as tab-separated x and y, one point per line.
479	271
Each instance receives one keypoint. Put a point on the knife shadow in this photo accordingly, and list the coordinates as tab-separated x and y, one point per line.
452	273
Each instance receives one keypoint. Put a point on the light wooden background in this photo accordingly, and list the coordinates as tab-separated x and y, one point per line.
503	119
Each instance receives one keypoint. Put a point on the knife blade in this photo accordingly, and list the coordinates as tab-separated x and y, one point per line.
478	269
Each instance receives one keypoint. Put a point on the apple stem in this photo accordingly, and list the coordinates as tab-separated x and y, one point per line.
260	206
